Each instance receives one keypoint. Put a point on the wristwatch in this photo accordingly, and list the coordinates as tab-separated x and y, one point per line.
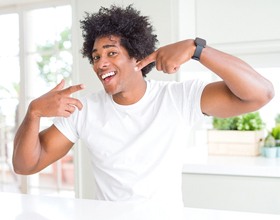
200	44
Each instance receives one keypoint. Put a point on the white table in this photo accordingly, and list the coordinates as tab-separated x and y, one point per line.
29	207
234	165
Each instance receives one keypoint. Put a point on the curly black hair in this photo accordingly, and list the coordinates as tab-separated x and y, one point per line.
134	30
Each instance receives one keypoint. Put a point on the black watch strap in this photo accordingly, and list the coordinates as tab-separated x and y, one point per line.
200	44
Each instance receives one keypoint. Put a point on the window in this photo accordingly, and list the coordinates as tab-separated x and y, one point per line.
35	55
9	90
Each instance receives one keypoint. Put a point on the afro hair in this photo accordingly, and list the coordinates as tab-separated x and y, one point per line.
134	30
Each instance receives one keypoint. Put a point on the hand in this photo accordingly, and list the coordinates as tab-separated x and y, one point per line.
57	102
169	58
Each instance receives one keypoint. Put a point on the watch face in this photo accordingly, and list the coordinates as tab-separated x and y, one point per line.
200	42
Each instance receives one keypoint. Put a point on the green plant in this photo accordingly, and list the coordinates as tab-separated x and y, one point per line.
246	122
225	123
269	141
273	137
250	122
275	132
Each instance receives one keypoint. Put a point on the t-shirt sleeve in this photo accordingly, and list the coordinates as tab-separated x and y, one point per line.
188	96
193	106
66	127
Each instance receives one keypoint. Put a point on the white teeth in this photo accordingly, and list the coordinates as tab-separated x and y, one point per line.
107	75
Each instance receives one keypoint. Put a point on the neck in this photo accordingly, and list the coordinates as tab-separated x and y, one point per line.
133	95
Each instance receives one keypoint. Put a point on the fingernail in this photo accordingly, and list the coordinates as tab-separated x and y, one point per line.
82	86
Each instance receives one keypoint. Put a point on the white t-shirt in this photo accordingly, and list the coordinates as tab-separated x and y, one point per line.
137	150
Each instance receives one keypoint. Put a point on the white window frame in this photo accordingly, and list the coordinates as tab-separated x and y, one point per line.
21	8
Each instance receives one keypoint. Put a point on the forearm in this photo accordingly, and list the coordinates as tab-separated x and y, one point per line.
27	147
242	80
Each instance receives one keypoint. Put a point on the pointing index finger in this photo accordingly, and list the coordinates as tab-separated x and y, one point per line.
146	61
73	89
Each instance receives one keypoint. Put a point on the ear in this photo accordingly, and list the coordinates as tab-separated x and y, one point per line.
136	61
136	65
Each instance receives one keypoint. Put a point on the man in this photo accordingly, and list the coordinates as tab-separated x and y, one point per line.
135	128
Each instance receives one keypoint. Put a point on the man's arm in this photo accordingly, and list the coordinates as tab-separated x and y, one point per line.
241	90
34	151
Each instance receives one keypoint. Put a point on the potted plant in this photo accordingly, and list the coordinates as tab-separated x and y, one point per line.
236	136
275	134
269	148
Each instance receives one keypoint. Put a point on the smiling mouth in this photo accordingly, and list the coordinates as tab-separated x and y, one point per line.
107	76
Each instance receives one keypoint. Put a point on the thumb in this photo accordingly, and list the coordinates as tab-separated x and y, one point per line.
146	61
59	86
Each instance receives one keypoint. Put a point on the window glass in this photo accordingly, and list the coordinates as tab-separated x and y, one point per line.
9	93
47	58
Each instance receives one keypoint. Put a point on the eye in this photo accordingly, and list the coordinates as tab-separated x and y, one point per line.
95	58
112	53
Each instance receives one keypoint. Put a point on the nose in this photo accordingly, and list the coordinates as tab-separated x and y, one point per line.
103	63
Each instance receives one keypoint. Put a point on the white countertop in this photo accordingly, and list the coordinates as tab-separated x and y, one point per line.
28	207
229	165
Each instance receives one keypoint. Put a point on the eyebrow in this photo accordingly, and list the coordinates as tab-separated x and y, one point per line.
104	47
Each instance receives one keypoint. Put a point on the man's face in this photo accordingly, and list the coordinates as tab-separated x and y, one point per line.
112	64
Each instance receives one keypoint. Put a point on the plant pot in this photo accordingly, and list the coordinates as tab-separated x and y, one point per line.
263	151
235	143
270	152
278	152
